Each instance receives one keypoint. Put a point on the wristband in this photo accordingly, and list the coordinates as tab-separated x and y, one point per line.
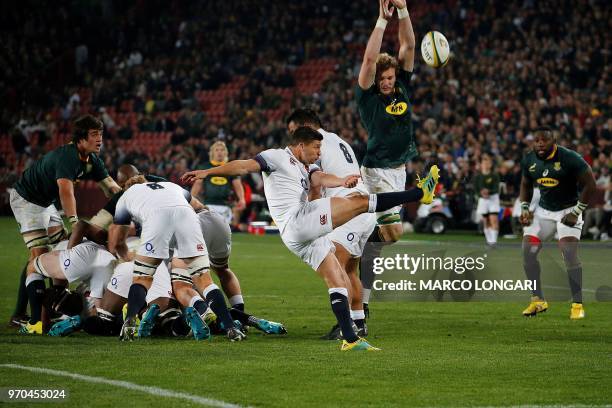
73	219
579	208
381	23
402	13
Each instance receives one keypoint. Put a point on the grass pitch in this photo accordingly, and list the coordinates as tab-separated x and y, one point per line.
434	354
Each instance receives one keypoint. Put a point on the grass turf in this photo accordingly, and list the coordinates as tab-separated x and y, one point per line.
434	354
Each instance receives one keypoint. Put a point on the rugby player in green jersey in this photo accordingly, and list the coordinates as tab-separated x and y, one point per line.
486	187
51	179
215	192
566	183
383	100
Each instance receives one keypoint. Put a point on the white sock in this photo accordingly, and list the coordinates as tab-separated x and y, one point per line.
487	235
494	234
209	288
372	203
194	300
357	314
365	295
236	300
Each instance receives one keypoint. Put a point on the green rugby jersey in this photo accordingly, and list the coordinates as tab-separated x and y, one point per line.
388	121
38	183
489	181
555	176
217	189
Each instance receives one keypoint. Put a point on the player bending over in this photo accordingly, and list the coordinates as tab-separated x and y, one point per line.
560	174
164	211
288	175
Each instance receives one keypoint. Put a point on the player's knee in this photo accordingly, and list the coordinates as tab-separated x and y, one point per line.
391	233
144	269
531	247
198	266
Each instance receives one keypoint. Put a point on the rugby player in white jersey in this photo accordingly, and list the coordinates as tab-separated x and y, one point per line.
164	210
338	158
87	262
304	225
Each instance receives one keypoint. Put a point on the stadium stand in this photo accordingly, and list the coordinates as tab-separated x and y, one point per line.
167	83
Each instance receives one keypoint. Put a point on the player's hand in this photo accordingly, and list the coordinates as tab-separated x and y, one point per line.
241	205
399	4
484	193
385	11
191	176
569	219
525	218
351	181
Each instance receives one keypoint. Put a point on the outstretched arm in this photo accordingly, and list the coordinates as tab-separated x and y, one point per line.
367	72
406	36
233	168
321	179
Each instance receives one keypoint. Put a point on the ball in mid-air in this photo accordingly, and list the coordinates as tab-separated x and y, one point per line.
435	49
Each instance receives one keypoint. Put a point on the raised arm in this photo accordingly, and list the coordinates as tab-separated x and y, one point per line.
233	168
406	36
367	72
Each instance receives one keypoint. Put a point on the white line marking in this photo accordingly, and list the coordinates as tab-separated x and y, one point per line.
160	392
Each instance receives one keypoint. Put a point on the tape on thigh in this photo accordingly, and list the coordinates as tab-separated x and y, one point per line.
143	268
198	266
38	240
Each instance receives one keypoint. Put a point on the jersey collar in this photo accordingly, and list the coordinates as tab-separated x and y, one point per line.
217	163
553	153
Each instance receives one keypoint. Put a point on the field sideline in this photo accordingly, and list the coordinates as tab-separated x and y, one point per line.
434	354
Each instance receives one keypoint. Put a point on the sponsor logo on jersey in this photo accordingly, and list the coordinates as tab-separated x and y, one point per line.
323	219
557	166
532	168
545	173
292	161
218	181
200	247
547	182
397	109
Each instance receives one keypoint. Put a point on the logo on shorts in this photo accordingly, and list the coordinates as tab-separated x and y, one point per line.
114	283
323	219
200	247
350	237
149	248
66	264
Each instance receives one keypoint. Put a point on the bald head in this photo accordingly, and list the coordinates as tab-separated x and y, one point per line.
125	172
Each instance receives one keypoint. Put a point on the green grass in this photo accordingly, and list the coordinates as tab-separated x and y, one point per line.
434	354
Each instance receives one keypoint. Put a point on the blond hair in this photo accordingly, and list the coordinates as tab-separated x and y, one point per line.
385	61
212	149
138	179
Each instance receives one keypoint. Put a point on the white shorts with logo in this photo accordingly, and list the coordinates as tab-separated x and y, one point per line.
121	281
32	217
176	227
223	210
545	223
88	261
306	232
385	181
488	205
354	235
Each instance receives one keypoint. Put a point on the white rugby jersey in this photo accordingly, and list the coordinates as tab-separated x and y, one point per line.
338	158
286	183
142	200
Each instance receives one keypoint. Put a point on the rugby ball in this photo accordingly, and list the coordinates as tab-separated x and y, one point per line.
435	49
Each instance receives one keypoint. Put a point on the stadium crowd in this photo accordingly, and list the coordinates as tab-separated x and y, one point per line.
151	66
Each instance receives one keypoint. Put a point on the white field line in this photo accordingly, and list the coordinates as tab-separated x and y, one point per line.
159	392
